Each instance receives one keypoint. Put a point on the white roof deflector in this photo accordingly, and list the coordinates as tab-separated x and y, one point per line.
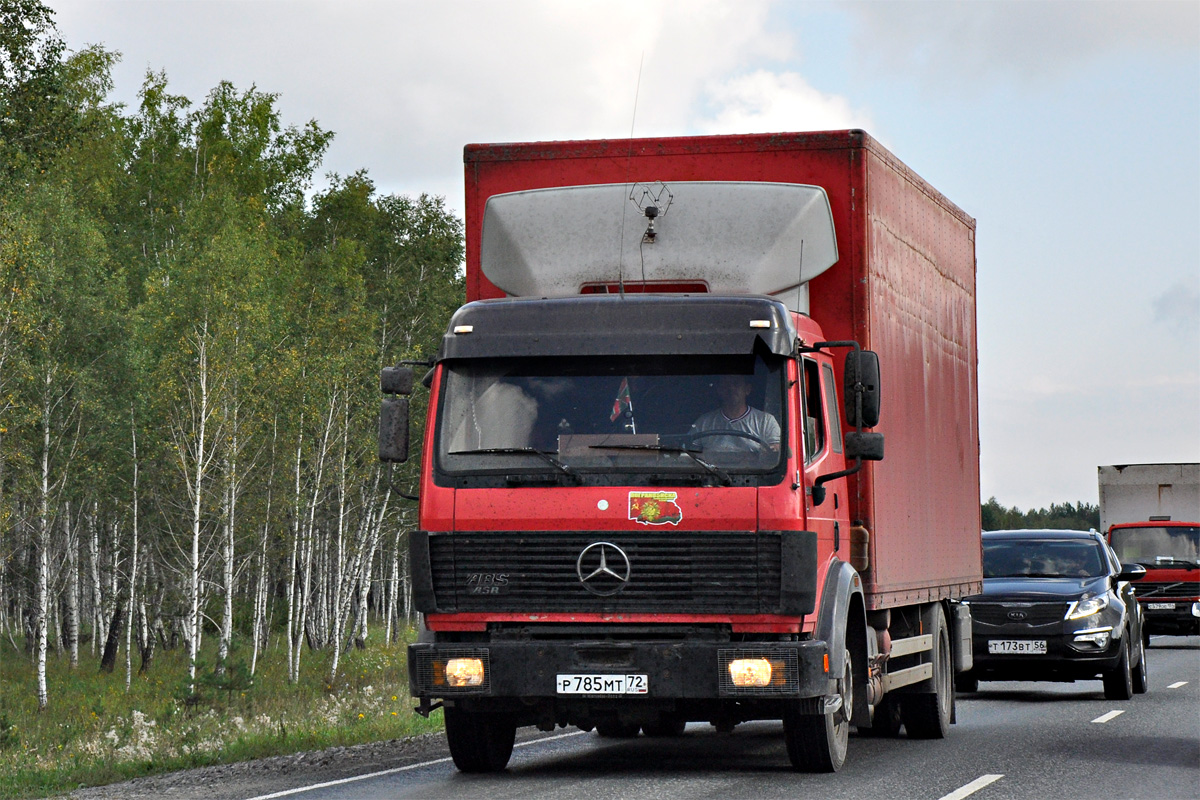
737	238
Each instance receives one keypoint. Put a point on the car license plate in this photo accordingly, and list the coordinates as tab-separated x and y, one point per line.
1029	647
603	684
1160	606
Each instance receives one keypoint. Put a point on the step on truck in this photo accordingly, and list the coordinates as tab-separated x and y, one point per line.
653	487
1150	514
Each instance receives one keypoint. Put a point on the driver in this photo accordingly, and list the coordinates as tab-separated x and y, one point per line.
735	414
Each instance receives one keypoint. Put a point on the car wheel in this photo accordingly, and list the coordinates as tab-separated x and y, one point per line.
1118	682
966	682
479	742
1141	675
1145	636
927	716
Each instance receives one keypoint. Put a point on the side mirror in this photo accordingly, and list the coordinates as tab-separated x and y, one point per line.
861	388
867	446
393	428
396	380
1131	572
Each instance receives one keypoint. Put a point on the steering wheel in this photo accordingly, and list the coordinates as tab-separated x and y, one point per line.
763	446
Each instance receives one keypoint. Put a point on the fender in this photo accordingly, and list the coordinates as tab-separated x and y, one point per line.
841	584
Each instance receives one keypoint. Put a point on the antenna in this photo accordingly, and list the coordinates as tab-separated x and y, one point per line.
628	164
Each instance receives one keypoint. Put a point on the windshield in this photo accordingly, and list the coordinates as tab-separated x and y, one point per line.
1158	546
621	417
1043	558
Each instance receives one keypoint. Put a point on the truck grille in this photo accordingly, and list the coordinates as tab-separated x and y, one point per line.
690	572
1184	590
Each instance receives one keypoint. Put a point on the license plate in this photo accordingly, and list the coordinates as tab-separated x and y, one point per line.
1030	647
1160	606
603	684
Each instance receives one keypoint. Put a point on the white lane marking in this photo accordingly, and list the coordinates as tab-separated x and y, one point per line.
381	773
1177	684
972	787
1106	717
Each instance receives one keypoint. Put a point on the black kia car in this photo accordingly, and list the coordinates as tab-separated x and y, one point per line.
1056	606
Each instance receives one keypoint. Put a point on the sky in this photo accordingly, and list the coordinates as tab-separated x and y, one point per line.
1069	130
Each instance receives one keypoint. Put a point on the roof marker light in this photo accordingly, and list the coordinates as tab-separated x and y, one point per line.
760	323
463	328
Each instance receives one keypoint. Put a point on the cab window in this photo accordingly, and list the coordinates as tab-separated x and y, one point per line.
831	406
814	417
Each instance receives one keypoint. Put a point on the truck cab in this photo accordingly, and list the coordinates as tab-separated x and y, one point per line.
1170	593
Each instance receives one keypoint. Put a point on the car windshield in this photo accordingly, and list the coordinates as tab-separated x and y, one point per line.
1043	558
713	416
1157	545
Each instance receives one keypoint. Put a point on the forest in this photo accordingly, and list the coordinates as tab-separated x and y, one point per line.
192	324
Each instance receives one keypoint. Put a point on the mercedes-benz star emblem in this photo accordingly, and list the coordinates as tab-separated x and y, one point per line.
603	568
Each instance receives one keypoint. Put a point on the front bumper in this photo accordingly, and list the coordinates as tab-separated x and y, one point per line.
1174	616
1065	659
675	670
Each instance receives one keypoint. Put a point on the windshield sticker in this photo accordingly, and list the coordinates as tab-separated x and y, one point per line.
654	508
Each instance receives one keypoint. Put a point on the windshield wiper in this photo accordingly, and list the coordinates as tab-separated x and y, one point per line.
1170	561
713	469
546	456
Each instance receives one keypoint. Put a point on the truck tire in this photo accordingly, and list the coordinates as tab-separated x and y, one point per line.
1118	681
1141	675
818	742
479	742
927	716
666	726
617	730
885	723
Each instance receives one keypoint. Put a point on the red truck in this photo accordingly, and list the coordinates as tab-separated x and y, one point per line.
647	495
1151	516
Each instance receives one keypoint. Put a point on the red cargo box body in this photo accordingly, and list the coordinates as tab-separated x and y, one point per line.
904	286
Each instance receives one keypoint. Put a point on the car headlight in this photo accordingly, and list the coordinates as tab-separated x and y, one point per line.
1086	606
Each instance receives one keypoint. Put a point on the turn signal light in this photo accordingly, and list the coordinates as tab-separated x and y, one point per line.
464	672
750	672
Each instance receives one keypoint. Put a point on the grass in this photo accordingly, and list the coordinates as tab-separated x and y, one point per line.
94	732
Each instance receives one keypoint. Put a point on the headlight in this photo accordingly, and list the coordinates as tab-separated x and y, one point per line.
1086	606
461	672
750	672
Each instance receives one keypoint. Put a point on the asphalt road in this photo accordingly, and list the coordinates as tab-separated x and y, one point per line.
1011	740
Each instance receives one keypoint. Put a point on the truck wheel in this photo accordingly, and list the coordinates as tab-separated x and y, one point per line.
818	742
1118	682
666	726
479	742
885	722
1141	676
927	716
617	730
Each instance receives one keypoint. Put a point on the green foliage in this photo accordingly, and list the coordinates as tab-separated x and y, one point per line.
97	733
1059	516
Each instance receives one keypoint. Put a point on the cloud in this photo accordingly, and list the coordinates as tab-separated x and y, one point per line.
405	85
763	102
1178	308
1032	42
